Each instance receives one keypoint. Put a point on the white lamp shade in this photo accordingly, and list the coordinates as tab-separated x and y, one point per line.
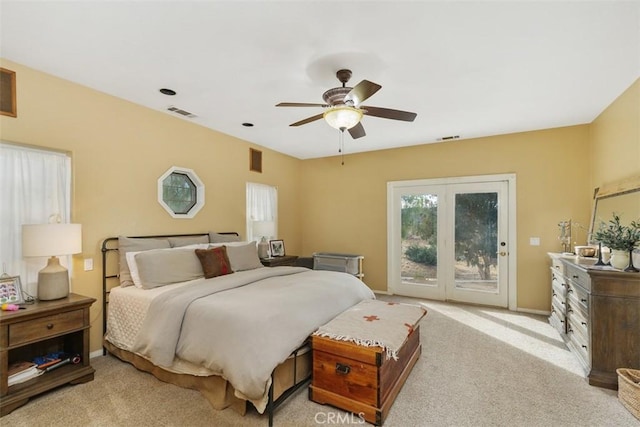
263	228
342	117
51	239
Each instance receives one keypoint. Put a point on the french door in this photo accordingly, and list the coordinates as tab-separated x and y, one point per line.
450	239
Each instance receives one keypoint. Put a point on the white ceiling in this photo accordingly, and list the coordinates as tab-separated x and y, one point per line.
466	68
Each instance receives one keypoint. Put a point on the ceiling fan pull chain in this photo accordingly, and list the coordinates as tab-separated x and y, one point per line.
341	150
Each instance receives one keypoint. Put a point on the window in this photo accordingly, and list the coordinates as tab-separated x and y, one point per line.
180	192
262	205
36	186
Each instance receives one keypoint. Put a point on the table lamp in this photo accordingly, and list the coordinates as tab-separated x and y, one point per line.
52	240
263	229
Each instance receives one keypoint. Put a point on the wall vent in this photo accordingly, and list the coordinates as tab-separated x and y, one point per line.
448	138
181	112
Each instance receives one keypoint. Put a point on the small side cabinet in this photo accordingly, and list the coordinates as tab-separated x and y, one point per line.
42	328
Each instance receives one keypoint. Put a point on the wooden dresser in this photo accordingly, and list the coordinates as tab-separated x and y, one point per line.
597	312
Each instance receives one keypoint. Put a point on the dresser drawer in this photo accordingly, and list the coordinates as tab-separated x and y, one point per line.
557	265
558	321
38	329
578	324
558	284
578	298
578	276
580	347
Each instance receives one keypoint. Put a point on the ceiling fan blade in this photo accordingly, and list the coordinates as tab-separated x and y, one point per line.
357	131
299	104
361	91
387	113
307	120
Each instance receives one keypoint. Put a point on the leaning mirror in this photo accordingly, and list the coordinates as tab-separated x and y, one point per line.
622	197
181	192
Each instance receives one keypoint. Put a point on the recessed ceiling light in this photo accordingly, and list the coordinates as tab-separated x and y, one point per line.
247	124
166	91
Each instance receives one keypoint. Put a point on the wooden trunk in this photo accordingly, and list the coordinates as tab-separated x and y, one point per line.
360	379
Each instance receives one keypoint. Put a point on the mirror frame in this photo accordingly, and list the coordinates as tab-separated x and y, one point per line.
619	188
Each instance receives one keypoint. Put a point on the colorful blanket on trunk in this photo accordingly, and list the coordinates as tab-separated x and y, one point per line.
373	323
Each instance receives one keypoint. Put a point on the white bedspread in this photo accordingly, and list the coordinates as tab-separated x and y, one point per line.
243	325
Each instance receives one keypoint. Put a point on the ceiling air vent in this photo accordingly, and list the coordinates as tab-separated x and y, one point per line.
449	138
181	112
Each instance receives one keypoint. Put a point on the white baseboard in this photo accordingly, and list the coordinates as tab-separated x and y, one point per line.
375	291
96	353
528	310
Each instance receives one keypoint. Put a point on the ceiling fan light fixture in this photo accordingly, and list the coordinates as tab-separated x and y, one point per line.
342	117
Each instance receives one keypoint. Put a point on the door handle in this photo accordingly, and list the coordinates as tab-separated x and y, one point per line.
502	253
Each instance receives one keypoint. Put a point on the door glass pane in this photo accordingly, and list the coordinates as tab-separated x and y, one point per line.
476	241
419	254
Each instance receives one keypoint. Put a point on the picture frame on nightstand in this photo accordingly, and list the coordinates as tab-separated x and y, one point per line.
276	247
11	290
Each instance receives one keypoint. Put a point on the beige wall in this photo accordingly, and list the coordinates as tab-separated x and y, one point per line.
120	150
615	139
344	207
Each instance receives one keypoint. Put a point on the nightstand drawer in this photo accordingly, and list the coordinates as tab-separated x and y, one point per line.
38	329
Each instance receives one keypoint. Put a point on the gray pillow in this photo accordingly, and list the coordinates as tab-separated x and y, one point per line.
160	267
244	257
223	238
176	242
131	244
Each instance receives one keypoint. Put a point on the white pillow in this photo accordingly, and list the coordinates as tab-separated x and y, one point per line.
133	266
133	244
217	245
243	257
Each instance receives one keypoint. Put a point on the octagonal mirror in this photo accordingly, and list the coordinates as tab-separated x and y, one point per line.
181	192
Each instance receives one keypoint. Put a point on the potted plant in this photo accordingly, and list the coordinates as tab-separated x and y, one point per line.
620	239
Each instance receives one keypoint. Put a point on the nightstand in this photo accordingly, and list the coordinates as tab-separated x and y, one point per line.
278	261
41	328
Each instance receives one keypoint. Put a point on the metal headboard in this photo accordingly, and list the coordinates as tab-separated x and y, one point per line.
110	246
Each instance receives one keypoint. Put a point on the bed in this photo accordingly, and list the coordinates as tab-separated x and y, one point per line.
200	311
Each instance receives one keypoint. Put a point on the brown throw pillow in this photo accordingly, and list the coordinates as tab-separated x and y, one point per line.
215	261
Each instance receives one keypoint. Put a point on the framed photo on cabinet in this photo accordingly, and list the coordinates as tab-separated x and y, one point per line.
276	247
11	290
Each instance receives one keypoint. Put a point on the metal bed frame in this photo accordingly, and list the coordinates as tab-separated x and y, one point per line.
109	246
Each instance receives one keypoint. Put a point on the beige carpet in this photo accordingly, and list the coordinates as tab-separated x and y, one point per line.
479	367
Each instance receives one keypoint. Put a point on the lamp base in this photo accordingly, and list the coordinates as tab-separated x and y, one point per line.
53	281
263	248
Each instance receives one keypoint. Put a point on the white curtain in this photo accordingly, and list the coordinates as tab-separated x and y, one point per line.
262	205
36	185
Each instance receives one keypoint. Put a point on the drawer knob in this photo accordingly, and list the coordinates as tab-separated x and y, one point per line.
583	300
584	346
342	369
574	276
49	325
584	323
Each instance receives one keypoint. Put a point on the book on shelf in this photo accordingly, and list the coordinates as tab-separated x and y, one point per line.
22	371
19	366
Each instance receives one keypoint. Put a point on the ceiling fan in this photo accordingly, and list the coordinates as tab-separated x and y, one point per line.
343	108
